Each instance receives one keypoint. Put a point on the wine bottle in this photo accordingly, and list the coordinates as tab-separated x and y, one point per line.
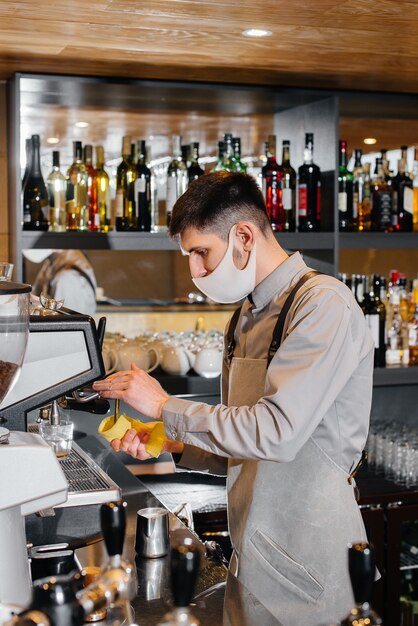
219	163
56	185
413	330
176	177
239	166
28	153
143	189
155	216
381	201
402	199
103	191
76	195
93	222
345	191
35	194
375	313
185	559
289	190
272	175
415	194
185	154
194	170
361	564
309	191
125	191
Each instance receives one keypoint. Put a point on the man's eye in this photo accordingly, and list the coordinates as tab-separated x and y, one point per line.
201	252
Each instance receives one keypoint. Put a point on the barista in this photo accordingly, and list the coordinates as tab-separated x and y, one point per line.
296	396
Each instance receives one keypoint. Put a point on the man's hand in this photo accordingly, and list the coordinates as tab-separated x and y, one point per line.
136	388
134	443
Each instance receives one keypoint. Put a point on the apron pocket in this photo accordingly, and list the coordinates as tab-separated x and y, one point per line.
286	567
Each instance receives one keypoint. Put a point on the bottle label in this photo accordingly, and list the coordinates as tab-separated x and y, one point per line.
171	193
303	200
393	357
119	202
287	199
412	334
373	324
355	204
408	200
97	219
140	185
385	207
342	201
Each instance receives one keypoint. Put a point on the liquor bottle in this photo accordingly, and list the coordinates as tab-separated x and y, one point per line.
361	565
93	208
125	179
415	194
103	191
155	217
76	196
184	563
185	154
228	155
381	201
402	204
309	190
194	170
375	313
28	152
35	194
403	297
273	175
239	166
176	178
413	331
358	287
289	190
396	331
362	198
345	191
143	189
219	163
56	184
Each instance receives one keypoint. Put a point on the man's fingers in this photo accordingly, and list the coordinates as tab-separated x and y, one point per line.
116	443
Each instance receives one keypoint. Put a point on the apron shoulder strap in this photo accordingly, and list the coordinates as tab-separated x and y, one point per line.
230	337
278	329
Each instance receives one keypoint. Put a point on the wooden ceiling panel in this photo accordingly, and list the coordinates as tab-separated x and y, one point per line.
362	44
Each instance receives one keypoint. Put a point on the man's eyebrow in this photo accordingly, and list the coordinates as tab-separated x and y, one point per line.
188	252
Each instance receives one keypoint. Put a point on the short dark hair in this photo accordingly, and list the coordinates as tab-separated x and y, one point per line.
217	201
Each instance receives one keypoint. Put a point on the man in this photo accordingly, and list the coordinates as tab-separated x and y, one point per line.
296	396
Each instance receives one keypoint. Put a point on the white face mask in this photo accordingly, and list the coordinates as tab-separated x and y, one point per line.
227	283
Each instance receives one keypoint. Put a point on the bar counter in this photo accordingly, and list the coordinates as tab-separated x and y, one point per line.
219	598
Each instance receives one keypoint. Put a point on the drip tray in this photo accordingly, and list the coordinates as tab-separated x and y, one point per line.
87	482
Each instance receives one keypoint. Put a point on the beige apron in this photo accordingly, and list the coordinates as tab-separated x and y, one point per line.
290	523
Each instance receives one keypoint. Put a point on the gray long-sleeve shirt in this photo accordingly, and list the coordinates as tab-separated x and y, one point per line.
318	384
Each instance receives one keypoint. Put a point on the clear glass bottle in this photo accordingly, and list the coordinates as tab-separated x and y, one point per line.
143	189
396	331
239	166
35	194
289	189
228	154
273	176
103	191
176	177
125	179
56	184
155	216
309	190
194	170
76	195
345	191
93	208
219	163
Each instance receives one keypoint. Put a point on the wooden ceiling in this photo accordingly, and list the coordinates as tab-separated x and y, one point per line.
360	44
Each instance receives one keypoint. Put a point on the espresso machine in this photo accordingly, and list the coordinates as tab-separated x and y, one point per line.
42	357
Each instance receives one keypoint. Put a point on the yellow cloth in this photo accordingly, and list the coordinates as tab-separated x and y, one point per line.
110	430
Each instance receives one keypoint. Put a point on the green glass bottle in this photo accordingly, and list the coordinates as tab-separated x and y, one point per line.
125	179
345	191
239	166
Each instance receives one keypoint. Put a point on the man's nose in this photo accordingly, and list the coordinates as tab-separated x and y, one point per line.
197	269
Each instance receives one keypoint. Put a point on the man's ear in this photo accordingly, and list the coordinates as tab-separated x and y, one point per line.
245	234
